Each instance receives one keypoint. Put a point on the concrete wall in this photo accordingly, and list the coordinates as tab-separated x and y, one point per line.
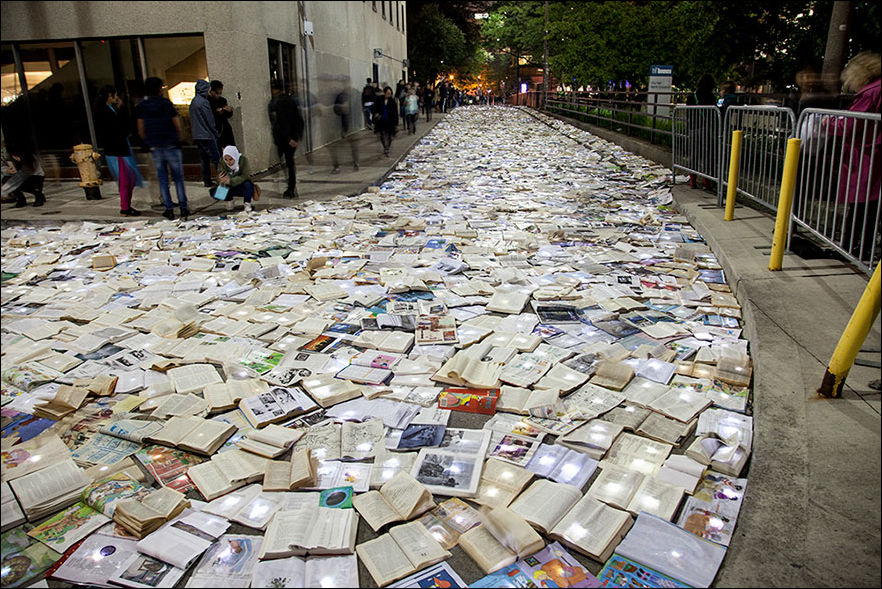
340	52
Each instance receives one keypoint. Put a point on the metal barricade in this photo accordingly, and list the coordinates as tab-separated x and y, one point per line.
695	144
837	190
766	131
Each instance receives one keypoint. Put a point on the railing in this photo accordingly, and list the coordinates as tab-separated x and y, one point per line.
837	190
766	131
695	145
533	99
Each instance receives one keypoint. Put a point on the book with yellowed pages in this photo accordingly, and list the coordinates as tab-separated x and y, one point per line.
226	395
501	539
271	441
309	528
300	471
545	502
66	400
328	390
405	549
400	499
500	483
202	436
592	528
226	471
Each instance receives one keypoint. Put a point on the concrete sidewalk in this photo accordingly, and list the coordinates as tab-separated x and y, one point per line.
65	200
811	515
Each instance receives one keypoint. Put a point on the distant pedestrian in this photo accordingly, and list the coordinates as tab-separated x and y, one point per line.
26	175
204	131
428	102
112	130
400	94
411	110
367	103
727	98
342	110
704	95
287	128
386	119
160	127
223	112
235	175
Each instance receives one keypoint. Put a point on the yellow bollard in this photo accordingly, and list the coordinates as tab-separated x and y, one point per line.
785	201
852	339
734	163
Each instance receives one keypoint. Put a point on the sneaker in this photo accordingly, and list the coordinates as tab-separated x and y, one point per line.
230	205
247	207
185	212
169	214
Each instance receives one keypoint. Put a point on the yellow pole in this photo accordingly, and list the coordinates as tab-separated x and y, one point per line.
852	339
785	201
734	163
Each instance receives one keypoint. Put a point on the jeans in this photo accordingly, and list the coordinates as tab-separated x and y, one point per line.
167	159
245	190
208	154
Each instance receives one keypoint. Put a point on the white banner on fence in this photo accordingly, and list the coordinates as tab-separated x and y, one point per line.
660	79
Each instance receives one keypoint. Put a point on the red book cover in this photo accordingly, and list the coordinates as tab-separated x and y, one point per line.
469	400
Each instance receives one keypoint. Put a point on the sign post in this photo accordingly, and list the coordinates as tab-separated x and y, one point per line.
660	80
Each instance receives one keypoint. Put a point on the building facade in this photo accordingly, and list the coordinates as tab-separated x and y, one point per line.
56	55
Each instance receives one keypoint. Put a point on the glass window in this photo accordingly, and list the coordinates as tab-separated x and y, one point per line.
180	62
282	62
57	107
115	62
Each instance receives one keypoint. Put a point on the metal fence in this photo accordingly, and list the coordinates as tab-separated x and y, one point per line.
695	142
837	190
766	131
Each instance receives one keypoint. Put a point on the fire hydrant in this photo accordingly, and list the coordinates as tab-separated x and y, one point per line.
90	178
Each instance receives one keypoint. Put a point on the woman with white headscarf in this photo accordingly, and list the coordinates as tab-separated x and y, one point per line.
235	176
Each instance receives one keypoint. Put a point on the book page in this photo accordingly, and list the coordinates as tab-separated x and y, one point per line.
513	531
384	559
406	495
276	476
210	480
207	435
134	430
418	545
287	532
193	378
332	530
375	510
615	485
487	552
592	526
49	484
544	503
276	435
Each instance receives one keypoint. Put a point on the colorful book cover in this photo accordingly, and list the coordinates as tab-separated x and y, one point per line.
104	494
439	575
23	425
624	572
552	566
318	344
68	527
336	498
481	401
168	466
419	435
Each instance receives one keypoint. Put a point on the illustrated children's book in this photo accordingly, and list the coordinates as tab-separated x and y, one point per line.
552	566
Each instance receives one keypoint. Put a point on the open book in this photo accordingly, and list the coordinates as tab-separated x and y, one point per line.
400	499
404	550
466	370
226	395
316	571
500	540
592	527
271	441
545	502
202	436
276	404
49	489
300	471
226	471
133	430
310	529
500	483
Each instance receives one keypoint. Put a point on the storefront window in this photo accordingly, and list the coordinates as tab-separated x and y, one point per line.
282	59
114	62
180	62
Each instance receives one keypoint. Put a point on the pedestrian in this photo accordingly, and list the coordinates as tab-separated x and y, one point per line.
159	126
727	98
26	175
428	102
235	175
223	112
341	109
367	103
386	119
860	175
411	110
400	94
443	94
204	131
287	128
112	130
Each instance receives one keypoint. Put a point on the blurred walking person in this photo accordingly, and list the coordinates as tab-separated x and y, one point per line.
112	130
287	132
386	119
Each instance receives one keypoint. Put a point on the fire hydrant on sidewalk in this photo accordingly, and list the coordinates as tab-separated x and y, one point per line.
90	178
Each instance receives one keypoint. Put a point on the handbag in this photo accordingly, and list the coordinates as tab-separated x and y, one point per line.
256	192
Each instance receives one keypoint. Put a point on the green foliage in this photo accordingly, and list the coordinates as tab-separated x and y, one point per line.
435	44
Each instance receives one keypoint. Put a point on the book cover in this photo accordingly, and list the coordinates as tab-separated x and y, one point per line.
552	566
336	498
481	401
624	572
